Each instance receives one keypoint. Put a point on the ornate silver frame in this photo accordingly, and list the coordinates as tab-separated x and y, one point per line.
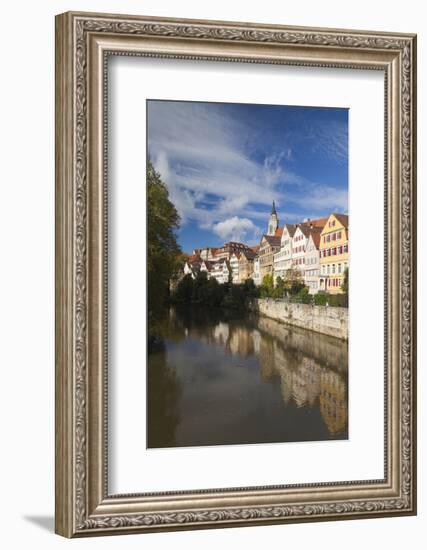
83	42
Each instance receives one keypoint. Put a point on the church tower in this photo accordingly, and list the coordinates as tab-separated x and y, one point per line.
273	223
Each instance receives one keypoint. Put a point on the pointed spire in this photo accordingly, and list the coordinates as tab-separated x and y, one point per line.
273	210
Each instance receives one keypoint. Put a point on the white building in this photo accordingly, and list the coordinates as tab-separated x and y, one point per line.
283	259
207	267
192	266
312	263
299	244
234	265
256	275
221	271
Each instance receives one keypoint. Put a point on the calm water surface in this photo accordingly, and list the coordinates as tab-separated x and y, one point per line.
218	380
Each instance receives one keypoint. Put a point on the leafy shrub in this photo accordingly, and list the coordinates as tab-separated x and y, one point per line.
304	295
333	300
320	298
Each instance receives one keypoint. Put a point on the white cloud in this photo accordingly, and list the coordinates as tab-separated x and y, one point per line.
323	197
205	156
236	229
199	154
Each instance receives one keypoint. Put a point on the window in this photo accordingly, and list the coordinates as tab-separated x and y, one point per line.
334	236
339	235
333	268
329	269
339	268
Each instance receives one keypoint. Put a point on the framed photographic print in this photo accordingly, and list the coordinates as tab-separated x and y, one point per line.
235	274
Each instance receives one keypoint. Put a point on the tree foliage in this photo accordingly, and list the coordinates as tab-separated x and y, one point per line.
293	282
163	252
279	289
267	286
208	292
344	286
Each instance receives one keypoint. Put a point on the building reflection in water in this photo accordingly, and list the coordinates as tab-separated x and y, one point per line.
310	370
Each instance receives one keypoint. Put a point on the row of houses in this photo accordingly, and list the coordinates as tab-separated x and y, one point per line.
317	249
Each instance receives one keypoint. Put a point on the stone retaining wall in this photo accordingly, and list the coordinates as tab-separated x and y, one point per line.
324	319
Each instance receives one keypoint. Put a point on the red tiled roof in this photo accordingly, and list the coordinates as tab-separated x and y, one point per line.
320	222
278	232
195	258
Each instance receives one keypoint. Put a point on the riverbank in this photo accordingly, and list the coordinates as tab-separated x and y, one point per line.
332	321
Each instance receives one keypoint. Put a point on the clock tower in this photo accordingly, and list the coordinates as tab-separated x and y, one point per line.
273	223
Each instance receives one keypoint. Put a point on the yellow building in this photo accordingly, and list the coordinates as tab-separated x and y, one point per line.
246	265
334	253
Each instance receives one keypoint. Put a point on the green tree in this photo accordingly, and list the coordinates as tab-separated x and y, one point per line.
163	251
267	286
184	290
304	295
344	286
293	281
279	289
200	288
250	288
234	297
214	293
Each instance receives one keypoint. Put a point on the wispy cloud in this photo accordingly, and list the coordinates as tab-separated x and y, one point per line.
331	139
223	175
323	198
198	150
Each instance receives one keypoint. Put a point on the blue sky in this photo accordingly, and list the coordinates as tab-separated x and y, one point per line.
224	164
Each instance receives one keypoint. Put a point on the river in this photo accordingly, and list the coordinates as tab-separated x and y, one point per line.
218	379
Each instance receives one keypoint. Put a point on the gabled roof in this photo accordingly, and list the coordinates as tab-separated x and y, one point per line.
319	222
278	232
305	230
291	227
248	254
342	218
272	240
209	265
308	228
315	235
194	258
194	266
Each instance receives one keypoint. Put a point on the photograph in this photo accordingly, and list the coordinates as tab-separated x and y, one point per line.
248	273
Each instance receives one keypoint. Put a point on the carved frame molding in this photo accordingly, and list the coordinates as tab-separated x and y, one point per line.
83	43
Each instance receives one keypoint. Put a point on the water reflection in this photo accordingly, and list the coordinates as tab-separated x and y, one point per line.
217	379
